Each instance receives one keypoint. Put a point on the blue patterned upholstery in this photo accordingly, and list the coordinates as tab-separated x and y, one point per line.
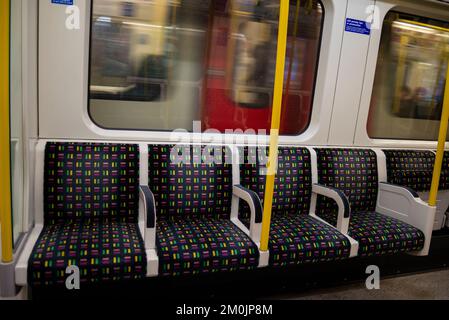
103	251
202	245
185	183
410	168
378	234
90	215
293	182
444	179
354	171
300	238
295	236
193	204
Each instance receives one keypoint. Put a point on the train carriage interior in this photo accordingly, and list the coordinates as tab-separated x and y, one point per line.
159	149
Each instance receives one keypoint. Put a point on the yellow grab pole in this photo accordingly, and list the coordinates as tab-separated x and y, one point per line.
5	161
441	142
275	122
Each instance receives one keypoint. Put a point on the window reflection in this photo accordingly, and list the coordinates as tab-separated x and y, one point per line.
410	78
161	64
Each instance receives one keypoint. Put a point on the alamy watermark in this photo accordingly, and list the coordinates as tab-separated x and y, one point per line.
373	280
72	281
373	17
73	20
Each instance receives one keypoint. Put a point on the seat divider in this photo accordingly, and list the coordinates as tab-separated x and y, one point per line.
149	234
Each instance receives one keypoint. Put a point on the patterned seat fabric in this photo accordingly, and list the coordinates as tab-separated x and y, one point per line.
293	182
90	215
296	239
191	181
192	186
378	234
103	251
295	236
410	168
354	171
444	179
202	245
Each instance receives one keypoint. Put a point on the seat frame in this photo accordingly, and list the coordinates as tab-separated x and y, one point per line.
442	195
238	193
403	204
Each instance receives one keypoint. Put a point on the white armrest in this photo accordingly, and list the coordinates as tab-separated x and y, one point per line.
404	204
147	207
344	210
252	199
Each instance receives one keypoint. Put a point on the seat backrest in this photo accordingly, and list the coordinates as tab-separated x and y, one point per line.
410	168
293	182
353	171
444	179
91	181
190	180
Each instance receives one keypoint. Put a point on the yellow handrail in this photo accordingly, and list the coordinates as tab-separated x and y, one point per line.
275	122
5	161
441	142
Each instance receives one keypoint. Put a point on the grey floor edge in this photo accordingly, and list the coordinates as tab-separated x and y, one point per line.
432	285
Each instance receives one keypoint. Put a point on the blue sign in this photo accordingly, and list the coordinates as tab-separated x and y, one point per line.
65	2
357	26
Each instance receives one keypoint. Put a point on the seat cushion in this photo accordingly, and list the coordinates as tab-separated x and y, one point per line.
378	234
103	251
202	245
299	238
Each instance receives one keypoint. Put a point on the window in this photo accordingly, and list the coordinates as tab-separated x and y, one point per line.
410	77
162	65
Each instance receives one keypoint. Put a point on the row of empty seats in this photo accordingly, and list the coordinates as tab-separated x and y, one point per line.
128	211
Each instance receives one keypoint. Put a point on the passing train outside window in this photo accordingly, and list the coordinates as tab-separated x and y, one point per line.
161	65
408	91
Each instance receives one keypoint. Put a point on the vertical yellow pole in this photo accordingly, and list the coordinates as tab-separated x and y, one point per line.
5	161
275	122
441	142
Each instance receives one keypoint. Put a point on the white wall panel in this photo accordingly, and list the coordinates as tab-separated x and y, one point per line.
63	78
350	77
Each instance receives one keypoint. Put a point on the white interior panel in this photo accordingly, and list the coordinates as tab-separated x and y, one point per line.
64	67
350	77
